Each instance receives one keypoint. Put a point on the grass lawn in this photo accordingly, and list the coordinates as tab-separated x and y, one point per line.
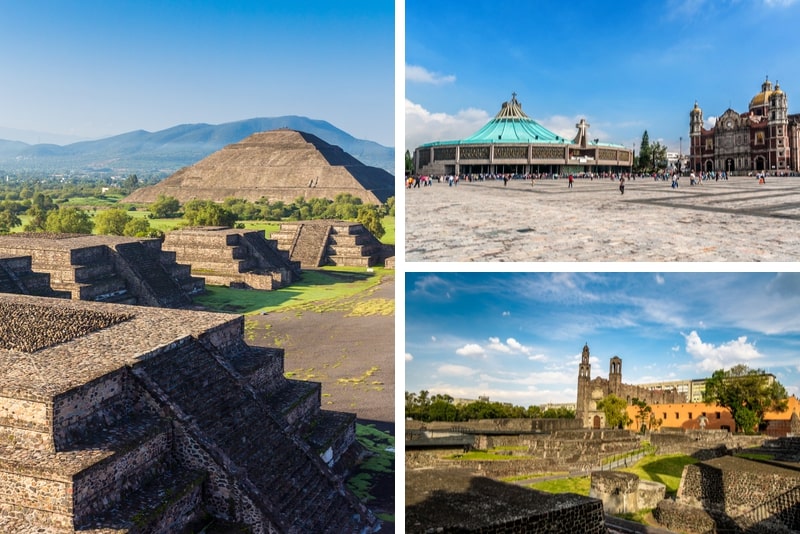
106	201
312	292
666	469
388	225
579	485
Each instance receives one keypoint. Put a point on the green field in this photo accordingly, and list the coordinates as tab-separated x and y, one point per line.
313	291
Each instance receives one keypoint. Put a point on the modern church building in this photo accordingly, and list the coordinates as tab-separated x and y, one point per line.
513	143
763	139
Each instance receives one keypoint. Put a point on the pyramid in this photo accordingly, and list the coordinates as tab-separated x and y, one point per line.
279	165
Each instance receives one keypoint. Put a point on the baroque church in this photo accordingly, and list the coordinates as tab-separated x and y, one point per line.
591	391
763	139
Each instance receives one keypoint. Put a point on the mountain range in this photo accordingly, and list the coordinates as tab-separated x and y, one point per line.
166	151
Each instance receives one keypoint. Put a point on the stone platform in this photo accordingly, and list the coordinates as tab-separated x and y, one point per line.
736	220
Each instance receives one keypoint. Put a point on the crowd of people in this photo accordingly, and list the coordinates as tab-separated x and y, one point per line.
673	177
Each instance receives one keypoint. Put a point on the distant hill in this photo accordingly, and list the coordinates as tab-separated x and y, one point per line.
174	148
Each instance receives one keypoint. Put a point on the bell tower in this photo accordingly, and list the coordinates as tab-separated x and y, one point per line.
615	376
778	129
695	133
584	391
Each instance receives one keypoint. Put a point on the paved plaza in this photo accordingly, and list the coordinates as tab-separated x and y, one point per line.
736	220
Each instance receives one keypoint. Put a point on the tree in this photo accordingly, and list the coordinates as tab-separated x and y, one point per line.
643	414
409	163
658	153
8	220
69	221
164	207
207	213
614	409
368	216
140	227
111	222
644	152
747	394
131	182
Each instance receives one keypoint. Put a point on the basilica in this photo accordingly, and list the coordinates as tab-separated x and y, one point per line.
764	139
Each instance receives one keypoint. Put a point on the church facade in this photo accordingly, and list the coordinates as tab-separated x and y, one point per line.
592	391
765	139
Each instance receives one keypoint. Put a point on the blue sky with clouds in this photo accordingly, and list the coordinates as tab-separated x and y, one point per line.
626	66
517	337
95	68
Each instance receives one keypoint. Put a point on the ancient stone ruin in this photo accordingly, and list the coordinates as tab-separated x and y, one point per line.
455	500
17	276
235	258
278	165
731	494
325	242
123	270
134	419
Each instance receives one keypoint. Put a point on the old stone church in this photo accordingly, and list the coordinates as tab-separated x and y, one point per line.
590	392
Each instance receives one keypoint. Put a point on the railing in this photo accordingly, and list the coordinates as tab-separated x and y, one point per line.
626	459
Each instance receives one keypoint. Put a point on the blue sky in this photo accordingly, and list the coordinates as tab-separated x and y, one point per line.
94	68
517	337
626	66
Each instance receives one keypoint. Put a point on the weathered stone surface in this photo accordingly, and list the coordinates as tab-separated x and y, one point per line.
146	424
327	242
454	500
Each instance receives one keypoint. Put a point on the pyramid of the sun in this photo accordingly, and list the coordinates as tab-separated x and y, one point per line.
279	165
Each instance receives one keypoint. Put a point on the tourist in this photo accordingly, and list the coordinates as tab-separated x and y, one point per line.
570	180
621	185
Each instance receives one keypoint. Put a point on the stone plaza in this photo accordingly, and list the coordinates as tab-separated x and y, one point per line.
736	220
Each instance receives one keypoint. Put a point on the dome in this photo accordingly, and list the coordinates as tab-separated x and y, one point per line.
762	98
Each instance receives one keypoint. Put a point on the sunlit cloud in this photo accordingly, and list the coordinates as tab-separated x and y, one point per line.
417	74
711	357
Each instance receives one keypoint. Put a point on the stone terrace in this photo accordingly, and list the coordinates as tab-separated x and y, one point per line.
148	420
236	258
325	242
106	268
735	220
17	276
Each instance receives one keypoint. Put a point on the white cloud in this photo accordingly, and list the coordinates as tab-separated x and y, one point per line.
676	348
506	313
779	3
710	122
455	370
422	126
409	357
712	357
659	280
537	357
496	344
415	73
471	350
433	338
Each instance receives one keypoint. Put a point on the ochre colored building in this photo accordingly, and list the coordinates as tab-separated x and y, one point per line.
688	416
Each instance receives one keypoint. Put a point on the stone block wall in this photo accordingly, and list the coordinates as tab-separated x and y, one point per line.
624	492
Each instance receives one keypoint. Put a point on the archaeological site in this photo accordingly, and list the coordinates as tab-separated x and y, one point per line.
118	418
279	165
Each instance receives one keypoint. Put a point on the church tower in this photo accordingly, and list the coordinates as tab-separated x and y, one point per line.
584	390
695	133
615	376
778	130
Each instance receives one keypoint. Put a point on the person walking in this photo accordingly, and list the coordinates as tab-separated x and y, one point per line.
621	185
570	180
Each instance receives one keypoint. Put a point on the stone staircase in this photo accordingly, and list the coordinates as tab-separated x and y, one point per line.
108	269
290	485
197	427
323	242
17	276
232	257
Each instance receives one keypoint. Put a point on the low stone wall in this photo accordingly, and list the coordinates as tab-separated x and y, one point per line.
702	444
455	501
624	492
